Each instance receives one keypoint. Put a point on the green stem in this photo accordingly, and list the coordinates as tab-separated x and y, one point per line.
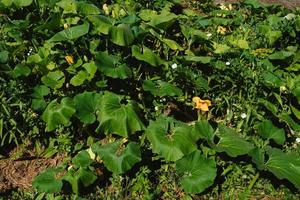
253	181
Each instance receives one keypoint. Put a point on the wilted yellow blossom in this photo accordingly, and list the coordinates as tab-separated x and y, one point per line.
222	30
201	104
69	60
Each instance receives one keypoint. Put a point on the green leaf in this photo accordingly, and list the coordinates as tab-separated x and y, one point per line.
4	56
121	35
70	33
91	69
40	91
145	54
20	70
69	6
270	106
221	48
295	111
117	157
79	78
112	66
172	44
198	59
101	24
170	139
82	159
289	120
87	8
284	165
47	181
231	143
272	79
86	106
82	175
258	157
163	20
280	55
198	172
147	14
203	129
161	88
267	130
273	36
116	117
38	102
54	80
58	113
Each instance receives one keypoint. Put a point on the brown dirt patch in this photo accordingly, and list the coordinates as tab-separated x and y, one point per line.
287	3
20	173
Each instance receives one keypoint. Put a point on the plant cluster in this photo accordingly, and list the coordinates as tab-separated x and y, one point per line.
124	86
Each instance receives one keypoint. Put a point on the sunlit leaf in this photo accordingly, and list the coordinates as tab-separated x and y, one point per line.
170	139
118	157
58	113
197	172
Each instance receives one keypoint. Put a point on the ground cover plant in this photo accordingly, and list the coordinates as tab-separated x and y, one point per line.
151	99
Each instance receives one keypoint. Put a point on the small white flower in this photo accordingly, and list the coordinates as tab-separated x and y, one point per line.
156	108
243	115
297	140
174	66
227	63
208	35
244	176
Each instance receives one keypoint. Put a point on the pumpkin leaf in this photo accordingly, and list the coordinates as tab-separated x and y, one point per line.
70	33
267	130
161	88
121	35
119	118
145	54
231	143
58	113
86	105
198	172
170	139
118	157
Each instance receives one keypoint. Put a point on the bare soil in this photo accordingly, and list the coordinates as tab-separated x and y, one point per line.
287	3
20	173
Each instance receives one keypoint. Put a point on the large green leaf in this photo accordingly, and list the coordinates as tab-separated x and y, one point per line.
20	70
112	66
203	129
54	80
79	78
121	35
268	131
284	165
76	176
198	59
38	101
145	54
198	172
18	3
161	88
101	24
231	142
86	106
58	113
117	157
82	159
170	139
47	181
116	117
163	20
87	8
70	33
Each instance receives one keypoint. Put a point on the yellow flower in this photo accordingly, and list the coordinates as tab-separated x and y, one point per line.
69	60
222	30
201	104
